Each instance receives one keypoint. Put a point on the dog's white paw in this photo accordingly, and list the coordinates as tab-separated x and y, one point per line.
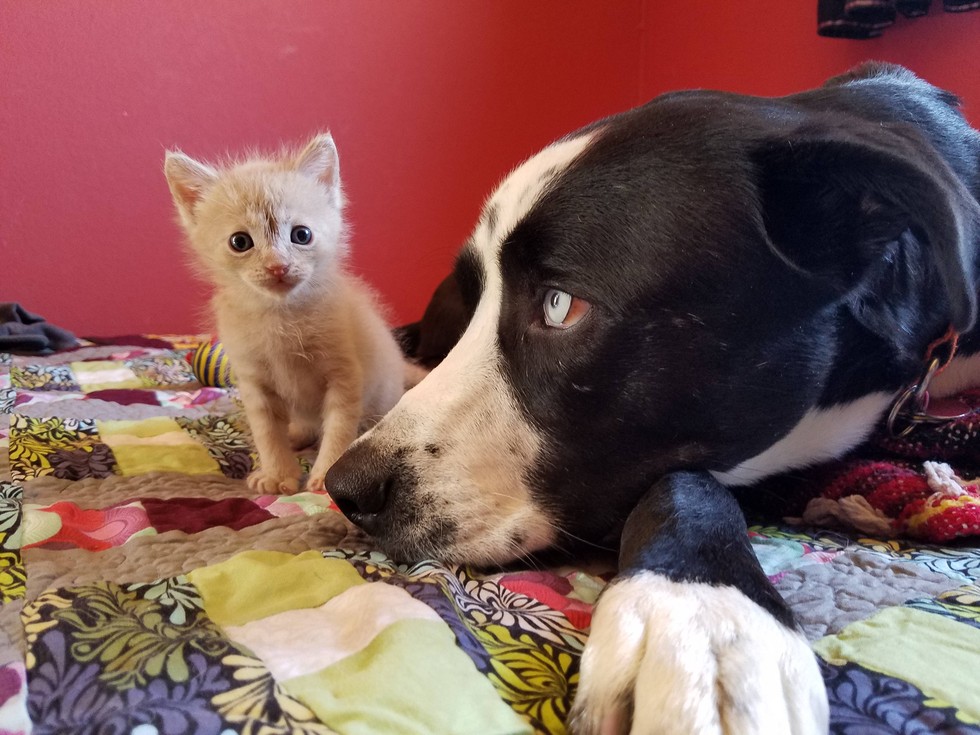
270	484
673	657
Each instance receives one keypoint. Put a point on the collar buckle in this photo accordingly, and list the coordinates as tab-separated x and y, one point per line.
911	408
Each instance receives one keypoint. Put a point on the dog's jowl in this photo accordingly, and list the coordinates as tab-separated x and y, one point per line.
695	294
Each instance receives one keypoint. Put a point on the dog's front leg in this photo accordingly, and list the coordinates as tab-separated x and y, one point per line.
691	638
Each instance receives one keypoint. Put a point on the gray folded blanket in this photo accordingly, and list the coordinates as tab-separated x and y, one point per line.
26	333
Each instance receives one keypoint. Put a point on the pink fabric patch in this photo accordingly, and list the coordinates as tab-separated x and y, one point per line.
550	590
94	530
11	682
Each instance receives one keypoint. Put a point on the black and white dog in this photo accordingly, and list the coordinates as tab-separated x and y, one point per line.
692	295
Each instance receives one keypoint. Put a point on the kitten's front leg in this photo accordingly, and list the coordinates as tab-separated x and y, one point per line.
278	471
342	409
302	433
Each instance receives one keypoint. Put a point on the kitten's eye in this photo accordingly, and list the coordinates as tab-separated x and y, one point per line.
240	242
301	235
562	310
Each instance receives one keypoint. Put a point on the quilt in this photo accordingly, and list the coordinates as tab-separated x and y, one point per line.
146	590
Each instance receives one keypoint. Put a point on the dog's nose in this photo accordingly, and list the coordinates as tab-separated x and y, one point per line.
360	483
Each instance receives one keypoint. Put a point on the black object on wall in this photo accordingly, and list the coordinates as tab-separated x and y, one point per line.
869	18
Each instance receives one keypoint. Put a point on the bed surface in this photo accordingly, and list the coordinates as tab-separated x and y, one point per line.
146	590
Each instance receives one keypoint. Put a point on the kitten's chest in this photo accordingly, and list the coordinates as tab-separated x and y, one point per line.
281	359
282	353
293	366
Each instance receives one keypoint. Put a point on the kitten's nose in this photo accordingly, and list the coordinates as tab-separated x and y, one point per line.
361	483
279	270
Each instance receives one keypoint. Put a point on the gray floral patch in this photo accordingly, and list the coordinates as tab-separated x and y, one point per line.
853	586
227	440
175	594
11	491
7	396
43	377
162	370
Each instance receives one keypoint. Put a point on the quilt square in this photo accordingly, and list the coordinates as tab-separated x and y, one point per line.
169	370
227	440
107	657
155	444
94	375
64	447
43	378
11	514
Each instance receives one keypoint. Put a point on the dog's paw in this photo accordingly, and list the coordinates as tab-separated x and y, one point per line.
271	484
671	657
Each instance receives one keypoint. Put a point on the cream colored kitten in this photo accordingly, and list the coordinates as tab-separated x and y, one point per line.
312	354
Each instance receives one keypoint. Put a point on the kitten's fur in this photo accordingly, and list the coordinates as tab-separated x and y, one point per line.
304	337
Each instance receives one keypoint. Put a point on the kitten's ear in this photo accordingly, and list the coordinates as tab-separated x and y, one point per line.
319	159
188	180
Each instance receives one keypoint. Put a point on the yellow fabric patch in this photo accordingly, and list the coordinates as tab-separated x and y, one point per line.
154	445
256	584
104	375
412	679
13	576
932	652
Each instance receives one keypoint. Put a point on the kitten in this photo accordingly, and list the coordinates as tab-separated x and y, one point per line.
312	355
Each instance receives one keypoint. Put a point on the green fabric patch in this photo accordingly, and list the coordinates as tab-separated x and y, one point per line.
256	584
934	653
412	679
93	375
156	444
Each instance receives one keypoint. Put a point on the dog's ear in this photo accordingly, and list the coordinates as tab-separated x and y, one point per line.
837	198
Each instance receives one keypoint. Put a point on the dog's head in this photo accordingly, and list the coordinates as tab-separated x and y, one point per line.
666	289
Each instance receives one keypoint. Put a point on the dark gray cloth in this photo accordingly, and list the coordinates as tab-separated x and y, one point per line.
22	332
868	18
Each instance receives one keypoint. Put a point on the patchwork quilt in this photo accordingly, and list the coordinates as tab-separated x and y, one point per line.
146	590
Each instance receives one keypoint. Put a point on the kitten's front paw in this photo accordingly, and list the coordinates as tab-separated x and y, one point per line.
315	483
692	659
270	484
324	461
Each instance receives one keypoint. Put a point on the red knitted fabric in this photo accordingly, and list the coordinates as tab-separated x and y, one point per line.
890	474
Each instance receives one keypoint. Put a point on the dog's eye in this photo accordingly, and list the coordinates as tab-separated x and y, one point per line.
301	235
240	242
562	310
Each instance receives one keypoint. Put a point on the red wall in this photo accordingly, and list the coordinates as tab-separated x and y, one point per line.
772	48
431	101
430	104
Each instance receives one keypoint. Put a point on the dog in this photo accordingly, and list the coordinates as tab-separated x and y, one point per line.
682	299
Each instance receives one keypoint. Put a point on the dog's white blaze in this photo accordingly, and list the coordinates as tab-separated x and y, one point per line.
519	192
465	408
694	659
822	434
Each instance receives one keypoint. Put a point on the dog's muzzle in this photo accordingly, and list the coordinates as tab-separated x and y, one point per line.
377	488
363	484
